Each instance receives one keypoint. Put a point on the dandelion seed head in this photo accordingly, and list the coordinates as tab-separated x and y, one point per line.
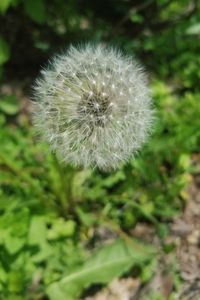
92	104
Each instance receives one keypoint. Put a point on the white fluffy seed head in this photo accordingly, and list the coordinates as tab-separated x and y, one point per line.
93	106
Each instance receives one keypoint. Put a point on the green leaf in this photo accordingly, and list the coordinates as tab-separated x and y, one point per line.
88	219
107	263
61	228
2	119
194	29
9	105
37	225
184	161
35	10
136	18
4	51
4	5
15	281
44	46
14	244
37	236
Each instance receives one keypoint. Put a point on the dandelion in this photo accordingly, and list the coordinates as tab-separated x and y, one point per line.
93	106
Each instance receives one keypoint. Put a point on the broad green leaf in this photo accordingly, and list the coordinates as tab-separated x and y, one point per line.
37	236
37	232
42	45
4	51
15	297
13	230
184	161
61	228
3	274
194	29
136	18
14	244
107	263
15	281
2	119
35	10
4	5
9	105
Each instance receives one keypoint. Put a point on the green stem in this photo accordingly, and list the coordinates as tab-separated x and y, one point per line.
65	188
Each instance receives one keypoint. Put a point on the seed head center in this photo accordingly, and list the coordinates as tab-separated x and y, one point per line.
96	107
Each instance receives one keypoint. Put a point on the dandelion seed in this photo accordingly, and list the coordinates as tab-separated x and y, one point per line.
93	106
96	105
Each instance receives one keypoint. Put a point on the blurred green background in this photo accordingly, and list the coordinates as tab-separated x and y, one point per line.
62	248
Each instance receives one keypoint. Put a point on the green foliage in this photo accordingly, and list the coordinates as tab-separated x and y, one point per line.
35	10
9	105
49	215
4	51
194	29
109	262
4	4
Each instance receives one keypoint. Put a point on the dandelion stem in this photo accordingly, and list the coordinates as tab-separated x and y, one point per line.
65	190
